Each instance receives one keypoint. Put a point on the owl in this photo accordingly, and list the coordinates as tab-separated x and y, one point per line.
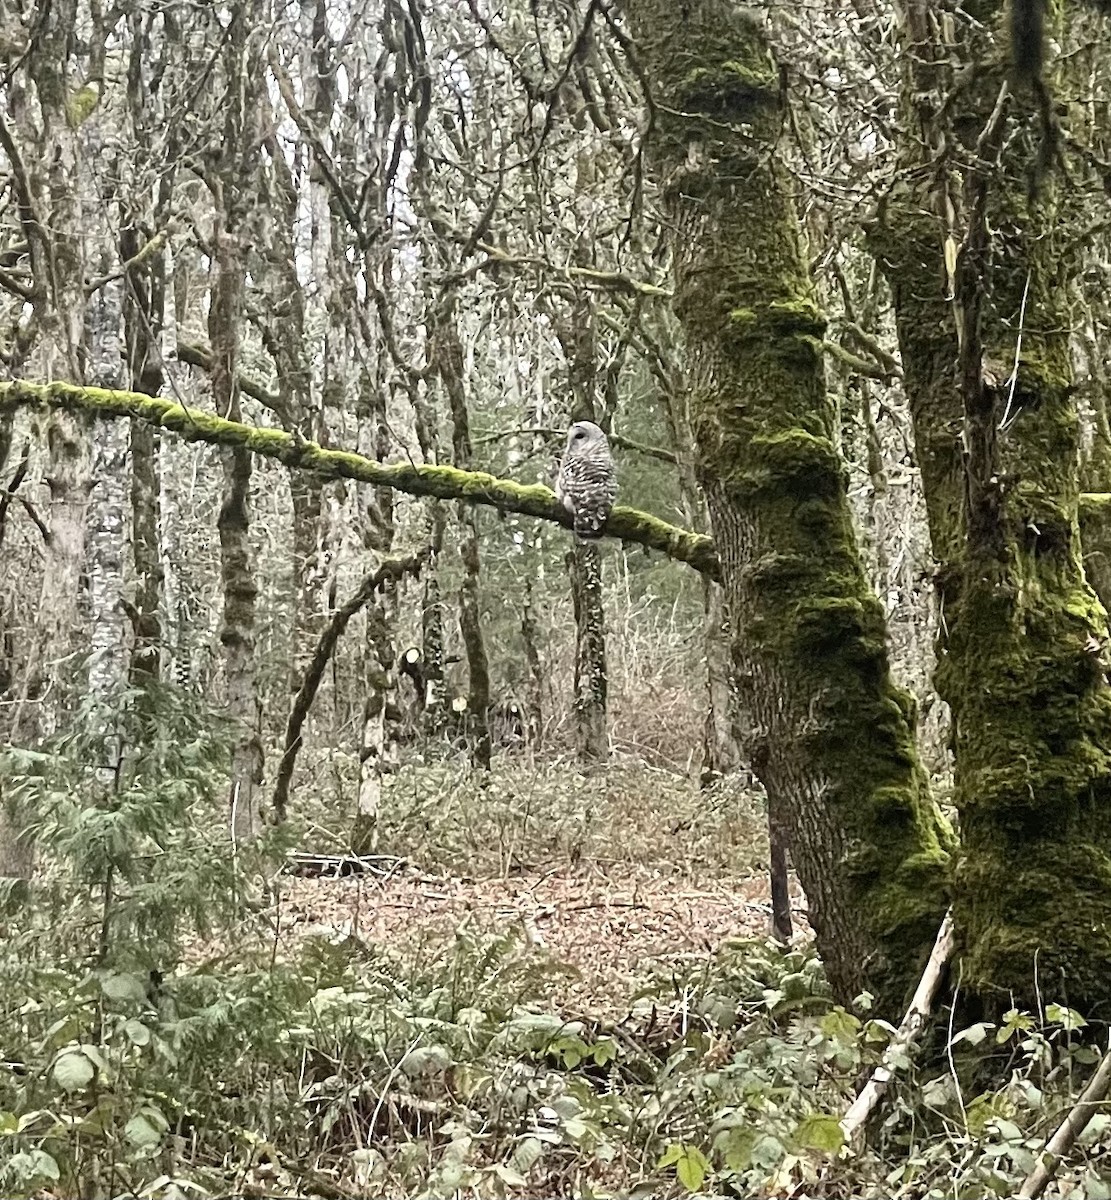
587	482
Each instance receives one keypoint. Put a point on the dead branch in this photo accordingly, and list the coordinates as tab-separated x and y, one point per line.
390	569
1068	1131
921	1006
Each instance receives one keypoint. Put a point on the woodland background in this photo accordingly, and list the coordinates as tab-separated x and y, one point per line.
827	273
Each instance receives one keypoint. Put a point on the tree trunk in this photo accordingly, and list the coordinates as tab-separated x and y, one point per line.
447	353
534	683
1021	663
237	632
378	752
107	529
143	301
576	335
829	734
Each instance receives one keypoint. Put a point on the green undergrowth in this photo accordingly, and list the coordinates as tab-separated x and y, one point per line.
352	1071
130	1066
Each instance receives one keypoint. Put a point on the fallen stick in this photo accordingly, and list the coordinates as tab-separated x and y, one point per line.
921	1006
1067	1132
305	864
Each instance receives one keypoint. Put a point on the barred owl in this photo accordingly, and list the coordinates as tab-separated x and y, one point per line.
587	482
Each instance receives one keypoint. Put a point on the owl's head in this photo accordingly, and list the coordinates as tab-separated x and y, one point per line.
585	436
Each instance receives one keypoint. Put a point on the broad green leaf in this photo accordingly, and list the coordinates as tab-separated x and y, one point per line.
1067	1018
691	1168
575	1128
140	1132
124	987
973	1035
689	1162
34	1164
508	1176
605	1051
526	1154
73	1071
1014	1021
735	1146
137	1032
840	1026
9	1123
820	1132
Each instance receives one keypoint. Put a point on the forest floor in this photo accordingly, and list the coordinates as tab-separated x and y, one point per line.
617	876
608	923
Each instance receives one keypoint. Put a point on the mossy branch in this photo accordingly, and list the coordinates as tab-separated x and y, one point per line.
445	483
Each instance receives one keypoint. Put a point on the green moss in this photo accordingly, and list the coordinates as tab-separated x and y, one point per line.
810	645
444	482
80	105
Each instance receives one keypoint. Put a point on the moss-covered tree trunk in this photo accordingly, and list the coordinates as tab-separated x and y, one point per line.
144	297
46	184
829	734
284	335
1019	650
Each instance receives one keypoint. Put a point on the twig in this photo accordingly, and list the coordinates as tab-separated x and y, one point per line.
921	1006
148	250
201	357
39	523
305	864
498	256
1068	1131
616	439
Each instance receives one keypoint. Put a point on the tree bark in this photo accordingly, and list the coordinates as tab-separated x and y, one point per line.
829	734
237	631
447	352
584	561
989	377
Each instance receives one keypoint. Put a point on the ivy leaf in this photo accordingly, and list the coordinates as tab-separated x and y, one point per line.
820	1132
73	1071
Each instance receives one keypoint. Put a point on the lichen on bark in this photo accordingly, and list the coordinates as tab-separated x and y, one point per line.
828	732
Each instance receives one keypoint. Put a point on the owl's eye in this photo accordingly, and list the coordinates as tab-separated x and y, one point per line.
579	434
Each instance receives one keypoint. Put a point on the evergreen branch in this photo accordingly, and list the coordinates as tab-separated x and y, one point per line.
443	482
